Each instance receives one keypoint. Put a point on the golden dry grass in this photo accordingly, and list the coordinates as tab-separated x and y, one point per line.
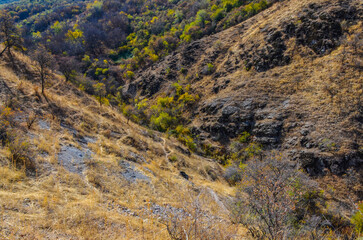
100	203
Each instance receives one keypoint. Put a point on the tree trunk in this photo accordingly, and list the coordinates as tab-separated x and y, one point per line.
11	57
3	50
42	77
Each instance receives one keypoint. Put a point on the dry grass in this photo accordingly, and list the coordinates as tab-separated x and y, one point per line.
100	203
324	90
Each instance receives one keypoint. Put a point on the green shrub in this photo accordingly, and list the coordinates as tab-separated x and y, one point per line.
357	219
162	122
100	90
210	68
244	138
218	15
130	74
172	158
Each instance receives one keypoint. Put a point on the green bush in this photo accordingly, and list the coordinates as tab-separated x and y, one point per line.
244	138
173	158
210	68
130	74
218	15
162	122
357	219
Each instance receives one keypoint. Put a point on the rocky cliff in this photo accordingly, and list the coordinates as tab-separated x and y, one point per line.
291	76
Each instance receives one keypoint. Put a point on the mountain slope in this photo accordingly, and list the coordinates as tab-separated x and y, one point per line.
96	175
287	80
290	76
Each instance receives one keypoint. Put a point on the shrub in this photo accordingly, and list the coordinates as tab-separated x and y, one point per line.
30	120
218	15
162	122
275	200
130	75
100	90
173	158
193	219
233	175
6	119
357	219
244	137
20	155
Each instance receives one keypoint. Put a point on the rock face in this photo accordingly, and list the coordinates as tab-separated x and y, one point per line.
271	126
233	100
227	118
131	174
317	28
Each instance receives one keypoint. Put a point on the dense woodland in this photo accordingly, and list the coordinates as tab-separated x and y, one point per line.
107	41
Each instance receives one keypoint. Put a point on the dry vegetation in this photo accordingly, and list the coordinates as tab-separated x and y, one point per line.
92	174
99	203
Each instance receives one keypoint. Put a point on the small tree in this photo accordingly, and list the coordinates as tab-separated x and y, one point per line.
270	196
193	220
9	34
44	61
68	67
100	90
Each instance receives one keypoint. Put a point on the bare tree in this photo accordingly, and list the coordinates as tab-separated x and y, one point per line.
44	61
270	192
9	34
193	221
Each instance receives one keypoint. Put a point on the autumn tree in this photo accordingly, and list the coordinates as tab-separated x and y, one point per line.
44	62
100	90
9	35
68	67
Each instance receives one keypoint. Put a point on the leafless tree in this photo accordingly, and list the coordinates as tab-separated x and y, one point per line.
193	221
268	196
44	62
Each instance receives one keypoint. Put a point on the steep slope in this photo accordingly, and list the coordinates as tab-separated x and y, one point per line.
291	76
93	175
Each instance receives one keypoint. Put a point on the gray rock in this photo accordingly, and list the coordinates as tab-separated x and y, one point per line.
268	128
43	125
229	110
85	140
73	159
130	173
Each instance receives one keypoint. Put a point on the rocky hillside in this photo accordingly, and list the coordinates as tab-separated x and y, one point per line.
290	76
285	86
91	174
